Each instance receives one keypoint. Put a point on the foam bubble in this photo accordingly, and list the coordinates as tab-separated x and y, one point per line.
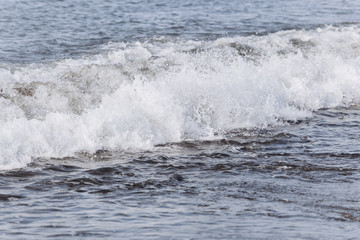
134	96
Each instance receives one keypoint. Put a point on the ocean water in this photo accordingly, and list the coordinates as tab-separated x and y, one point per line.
179	119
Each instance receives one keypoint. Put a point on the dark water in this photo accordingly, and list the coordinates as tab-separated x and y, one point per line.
288	182
285	167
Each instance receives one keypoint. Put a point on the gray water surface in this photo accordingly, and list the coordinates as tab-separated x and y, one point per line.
39	30
296	180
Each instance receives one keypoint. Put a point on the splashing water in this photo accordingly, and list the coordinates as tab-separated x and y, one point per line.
136	95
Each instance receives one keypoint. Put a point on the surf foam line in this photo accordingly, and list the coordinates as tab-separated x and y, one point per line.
134	96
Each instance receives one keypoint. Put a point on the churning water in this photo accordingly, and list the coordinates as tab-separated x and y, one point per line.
179	119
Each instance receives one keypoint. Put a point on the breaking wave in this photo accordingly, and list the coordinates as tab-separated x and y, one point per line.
136	95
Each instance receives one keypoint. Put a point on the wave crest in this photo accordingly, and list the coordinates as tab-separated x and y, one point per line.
134	96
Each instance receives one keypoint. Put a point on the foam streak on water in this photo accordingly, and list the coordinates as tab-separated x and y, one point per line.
137	95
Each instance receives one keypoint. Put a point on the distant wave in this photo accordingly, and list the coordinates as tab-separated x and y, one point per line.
134	96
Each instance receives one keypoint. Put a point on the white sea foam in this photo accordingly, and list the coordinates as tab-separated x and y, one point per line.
133	96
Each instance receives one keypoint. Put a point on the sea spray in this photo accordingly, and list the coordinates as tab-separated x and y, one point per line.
137	95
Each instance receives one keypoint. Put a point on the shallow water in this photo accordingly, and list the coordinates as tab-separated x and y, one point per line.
297	181
179	120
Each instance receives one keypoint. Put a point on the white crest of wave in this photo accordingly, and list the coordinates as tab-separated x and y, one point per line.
136	96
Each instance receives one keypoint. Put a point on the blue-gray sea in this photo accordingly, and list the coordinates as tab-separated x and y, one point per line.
165	119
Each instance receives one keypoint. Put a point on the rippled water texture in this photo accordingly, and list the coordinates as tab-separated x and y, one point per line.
179	119
37	30
298	181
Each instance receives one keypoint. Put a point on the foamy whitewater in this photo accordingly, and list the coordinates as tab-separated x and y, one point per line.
136	95
167	119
